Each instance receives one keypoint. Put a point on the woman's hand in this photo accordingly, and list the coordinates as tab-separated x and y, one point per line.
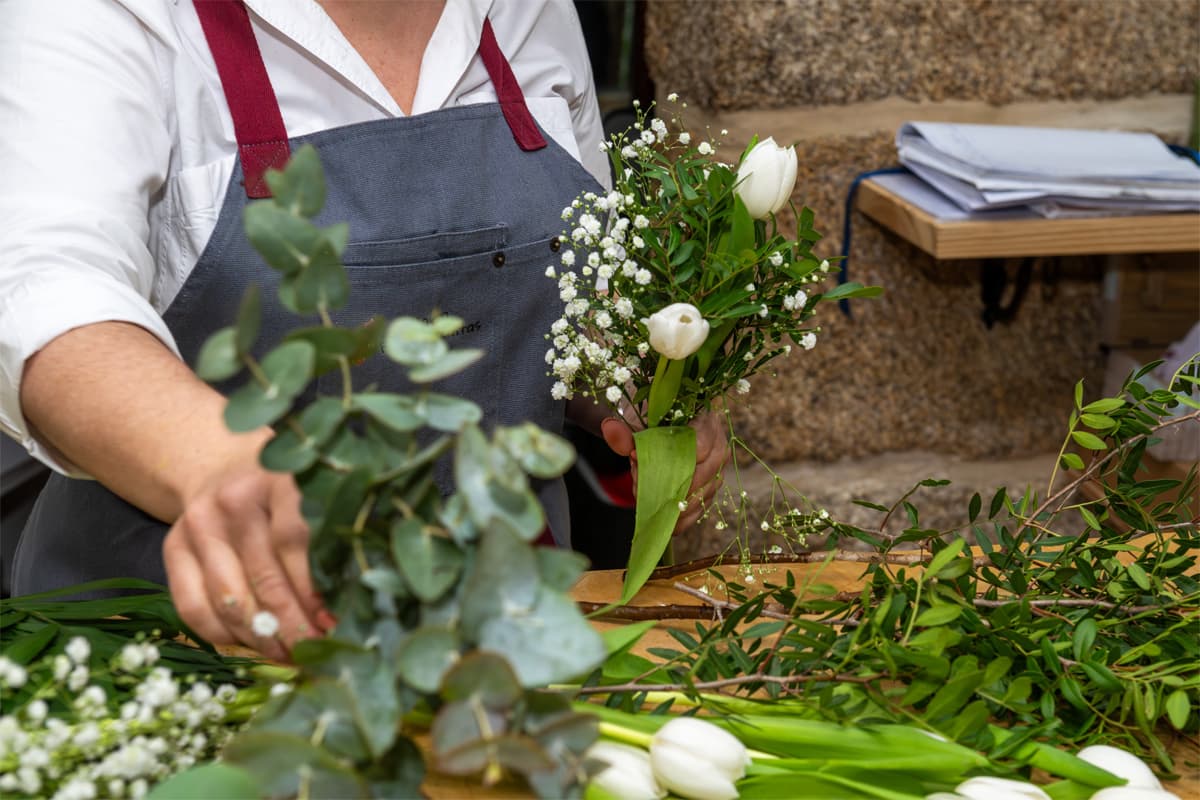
712	451
239	548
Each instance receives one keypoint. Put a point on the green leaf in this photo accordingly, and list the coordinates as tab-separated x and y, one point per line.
446	324
426	655
218	359
276	760
667	463
206	782
664	388
453	362
1072	461
494	489
975	506
850	289
997	502
430	563
1088	440
447	413
540	453
286	242
1098	421
251	407
945	556
1079	394
1104	405
322	284
1139	576
1178	708
1089	518
328	344
398	412
550	643
289	368
741	235
620	638
1083	638
414	343
560	569
485	676
300	186
938	615
25	649
287	452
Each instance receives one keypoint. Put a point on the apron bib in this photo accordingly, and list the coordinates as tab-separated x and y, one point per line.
456	211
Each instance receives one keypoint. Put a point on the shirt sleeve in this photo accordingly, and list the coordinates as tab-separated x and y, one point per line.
84	144
585	109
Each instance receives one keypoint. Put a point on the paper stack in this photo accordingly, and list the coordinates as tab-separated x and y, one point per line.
1056	172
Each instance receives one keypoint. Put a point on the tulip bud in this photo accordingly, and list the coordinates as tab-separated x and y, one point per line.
1122	764
984	788
628	774
678	330
697	760
766	178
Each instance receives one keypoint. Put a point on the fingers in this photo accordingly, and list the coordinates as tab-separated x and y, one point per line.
617	436
240	550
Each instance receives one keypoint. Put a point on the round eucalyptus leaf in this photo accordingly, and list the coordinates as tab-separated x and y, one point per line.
514	753
385	580
249	408
285	241
570	731
300	186
206	782
287	452
322	284
503	579
277	761
430	563
446	324
320	419
540	453
323	698
487	490
447	413
551	643
559	569
454	361
289	368
414	343
398	412
456	518
249	319
458	723
425	656
218	359
485	676
328	344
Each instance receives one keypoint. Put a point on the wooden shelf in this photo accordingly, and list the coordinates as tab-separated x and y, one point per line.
1010	237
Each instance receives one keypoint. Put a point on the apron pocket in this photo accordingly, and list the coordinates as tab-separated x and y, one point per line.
424	249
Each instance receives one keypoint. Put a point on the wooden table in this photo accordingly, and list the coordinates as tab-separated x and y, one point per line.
897	204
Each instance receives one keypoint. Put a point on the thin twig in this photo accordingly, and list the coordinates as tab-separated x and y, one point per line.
1067	603
915	557
740	680
725	605
1179	526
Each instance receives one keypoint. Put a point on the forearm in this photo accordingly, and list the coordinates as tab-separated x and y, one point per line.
117	403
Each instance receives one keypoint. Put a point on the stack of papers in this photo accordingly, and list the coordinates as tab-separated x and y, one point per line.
1056	172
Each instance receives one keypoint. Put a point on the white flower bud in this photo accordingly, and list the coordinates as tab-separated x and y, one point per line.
698	760
1122	764
628	774
766	178
678	330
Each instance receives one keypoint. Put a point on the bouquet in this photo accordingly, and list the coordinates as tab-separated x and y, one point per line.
680	288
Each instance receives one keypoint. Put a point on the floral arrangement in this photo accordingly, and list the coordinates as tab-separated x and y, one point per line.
679	289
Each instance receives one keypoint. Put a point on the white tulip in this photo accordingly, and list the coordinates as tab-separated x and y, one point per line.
1133	793
1122	764
697	760
766	178
628	774
984	788
678	330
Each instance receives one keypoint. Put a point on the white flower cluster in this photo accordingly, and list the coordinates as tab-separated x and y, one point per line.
87	751
629	254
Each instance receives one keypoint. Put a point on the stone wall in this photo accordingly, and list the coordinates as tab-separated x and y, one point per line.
917	368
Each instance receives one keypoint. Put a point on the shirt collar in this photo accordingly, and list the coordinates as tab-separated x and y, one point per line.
451	48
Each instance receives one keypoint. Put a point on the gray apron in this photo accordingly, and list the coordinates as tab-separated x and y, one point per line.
446	212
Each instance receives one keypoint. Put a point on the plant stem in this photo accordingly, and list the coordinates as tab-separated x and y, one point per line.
626	735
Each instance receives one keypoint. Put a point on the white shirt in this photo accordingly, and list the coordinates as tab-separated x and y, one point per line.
116	143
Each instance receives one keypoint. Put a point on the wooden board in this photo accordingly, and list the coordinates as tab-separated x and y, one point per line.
1151	233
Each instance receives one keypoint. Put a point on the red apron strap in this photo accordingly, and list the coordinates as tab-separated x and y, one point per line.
508	92
257	123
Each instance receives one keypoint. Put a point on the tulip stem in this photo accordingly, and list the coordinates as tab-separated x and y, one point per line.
626	735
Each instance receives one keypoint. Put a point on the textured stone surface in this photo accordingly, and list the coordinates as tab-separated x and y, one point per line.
916	368
737	54
881	479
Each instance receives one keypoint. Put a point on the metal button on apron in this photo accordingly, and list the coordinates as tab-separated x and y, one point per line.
498	260
555	244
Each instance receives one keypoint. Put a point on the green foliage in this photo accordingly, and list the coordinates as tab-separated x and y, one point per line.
441	602
1060	638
